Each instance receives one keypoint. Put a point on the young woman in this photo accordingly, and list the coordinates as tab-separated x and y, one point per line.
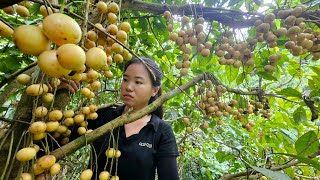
147	145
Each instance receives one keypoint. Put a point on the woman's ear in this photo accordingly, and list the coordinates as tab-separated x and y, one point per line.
155	91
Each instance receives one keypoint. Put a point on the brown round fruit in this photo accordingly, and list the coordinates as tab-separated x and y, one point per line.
167	15
102	7
113	7
61	29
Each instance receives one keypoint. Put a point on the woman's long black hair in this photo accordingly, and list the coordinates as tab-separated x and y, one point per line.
155	77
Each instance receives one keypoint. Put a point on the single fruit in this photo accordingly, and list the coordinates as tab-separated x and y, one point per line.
49	64
81	130
9	10
22	11
34	90
86	174
102	7
52	126
54	169
45	11
62	129
189	130
112	18
5	30
24	79
55	115
26	176
113	7
125	26
48	97
46	161
39	136
33	44
110	153
104	175
37	127
95	58
167	15
37	170
68	113
26	154
112	29
121	36
61	29
71	56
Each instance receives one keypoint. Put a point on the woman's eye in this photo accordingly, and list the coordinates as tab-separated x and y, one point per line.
138	82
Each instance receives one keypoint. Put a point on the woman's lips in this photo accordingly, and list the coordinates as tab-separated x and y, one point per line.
127	96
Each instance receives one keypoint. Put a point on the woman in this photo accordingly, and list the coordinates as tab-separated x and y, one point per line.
148	144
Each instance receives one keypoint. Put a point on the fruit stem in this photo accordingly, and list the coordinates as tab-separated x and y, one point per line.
85	22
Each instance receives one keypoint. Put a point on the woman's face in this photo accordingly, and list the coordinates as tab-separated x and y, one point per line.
136	87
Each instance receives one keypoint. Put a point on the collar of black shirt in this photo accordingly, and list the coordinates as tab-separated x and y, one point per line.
154	121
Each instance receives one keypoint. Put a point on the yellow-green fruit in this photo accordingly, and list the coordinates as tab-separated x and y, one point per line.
45	11
5	30
46	161
37	127
26	154
34	90
39	136
110	153
8	10
102	7
125	26
49	64
48	98
26	176
86	174
113	7
55	115
22	11
52	126
71	56
23	79
54	169
96	58
30	40
104	175
61	29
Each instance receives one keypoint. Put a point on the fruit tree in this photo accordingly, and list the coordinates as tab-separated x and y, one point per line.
241	86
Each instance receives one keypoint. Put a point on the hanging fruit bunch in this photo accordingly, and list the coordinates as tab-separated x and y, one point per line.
63	53
215	103
191	35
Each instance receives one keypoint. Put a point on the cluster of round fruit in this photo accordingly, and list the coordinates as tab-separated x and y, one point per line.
210	102
235	54
188	37
22	9
301	39
46	163
95	37
111	153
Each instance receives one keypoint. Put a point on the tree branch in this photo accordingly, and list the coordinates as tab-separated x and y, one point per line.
275	168
124	119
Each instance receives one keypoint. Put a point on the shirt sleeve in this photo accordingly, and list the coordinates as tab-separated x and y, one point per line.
167	145
167	168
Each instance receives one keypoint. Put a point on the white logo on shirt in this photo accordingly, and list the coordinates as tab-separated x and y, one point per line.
145	144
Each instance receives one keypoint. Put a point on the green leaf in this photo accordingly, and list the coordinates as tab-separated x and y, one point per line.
290	92
267	76
307	144
221	156
240	79
316	70
272	174
299	115
231	73
305	160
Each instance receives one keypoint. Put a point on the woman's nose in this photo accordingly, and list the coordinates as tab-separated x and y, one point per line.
128	86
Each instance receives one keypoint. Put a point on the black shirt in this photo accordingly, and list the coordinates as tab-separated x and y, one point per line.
141	153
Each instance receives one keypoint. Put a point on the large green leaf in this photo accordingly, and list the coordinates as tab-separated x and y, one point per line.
221	156
290	92
307	144
272	174
299	115
231	73
305	160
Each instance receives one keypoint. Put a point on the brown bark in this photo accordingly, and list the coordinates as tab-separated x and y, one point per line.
232	18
